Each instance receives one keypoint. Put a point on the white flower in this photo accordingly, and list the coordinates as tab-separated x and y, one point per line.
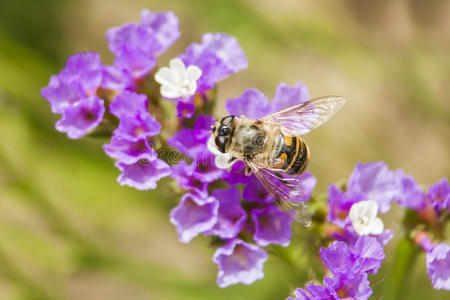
364	218
177	80
222	160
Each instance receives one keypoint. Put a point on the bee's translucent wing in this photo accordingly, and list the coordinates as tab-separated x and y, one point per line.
306	116
286	190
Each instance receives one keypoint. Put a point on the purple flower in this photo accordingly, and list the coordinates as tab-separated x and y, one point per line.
236	174
85	68
272	226
218	56
254	104
141	125
144	172
239	262
81	117
438	266
126	150
364	256
411	195
439	195
231	217
136	46
193	142
195	176
128	104
195	214
339	203
376	182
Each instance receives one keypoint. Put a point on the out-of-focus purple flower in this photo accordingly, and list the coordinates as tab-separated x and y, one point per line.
254	104
196	213
439	195
128	104
144	173
339	204
364	256
438	266
193	142
141	125
286	96
231	217
376	182
272	226
218	56
136	46
411	195
236	174
81	117
73	93
239	262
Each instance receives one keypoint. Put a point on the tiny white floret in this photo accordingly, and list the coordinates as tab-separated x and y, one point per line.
177	81
364	218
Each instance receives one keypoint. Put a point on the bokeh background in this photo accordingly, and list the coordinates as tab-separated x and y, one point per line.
69	231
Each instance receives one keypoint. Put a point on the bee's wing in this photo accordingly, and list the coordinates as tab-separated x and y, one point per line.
285	190
306	116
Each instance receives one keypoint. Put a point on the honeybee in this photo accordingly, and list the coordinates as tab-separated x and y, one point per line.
273	149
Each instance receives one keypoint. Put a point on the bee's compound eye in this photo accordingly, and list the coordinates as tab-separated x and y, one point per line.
224	130
220	143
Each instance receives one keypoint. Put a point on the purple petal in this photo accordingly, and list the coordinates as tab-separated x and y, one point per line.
81	117
349	286
252	103
340	203
239	262
126	150
195	214
368	254
116	78
337	257
438	266
231	216
128	104
142	125
272	226
377	182
255	191
61	94
236	174
85	68
218	56
137	62
286	96
411	195
164	25
144	173
183	174
185	109
439	195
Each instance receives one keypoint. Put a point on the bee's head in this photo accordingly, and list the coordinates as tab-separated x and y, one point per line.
223	132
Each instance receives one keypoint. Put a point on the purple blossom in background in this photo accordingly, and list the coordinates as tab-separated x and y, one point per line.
254	104
72	93
129	104
272	226
411	195
439	195
239	262
339	204
196	213
438	266
376	182
231	216
136	45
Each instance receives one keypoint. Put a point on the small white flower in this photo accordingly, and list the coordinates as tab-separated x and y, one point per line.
222	160
177	80
364	218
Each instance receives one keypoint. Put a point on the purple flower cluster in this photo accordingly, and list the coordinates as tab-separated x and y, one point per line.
84	86
233	216
349	266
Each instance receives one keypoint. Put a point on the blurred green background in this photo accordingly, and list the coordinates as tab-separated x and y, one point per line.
69	231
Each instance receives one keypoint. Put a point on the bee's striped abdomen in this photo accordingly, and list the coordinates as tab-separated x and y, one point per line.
295	154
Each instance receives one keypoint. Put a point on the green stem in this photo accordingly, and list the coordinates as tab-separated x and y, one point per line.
403	263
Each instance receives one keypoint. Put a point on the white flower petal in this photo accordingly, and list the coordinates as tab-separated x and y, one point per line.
164	76
177	65
223	160
376	227
193	73
170	91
